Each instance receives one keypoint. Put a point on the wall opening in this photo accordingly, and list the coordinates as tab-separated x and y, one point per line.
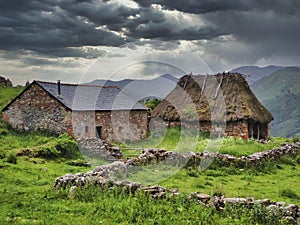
99	132
254	130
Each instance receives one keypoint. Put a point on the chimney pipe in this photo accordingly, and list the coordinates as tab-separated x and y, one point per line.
58	87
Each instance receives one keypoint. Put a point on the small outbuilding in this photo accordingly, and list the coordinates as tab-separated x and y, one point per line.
224	97
80	110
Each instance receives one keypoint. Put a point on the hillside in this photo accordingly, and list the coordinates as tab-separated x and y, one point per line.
7	94
254	73
280	93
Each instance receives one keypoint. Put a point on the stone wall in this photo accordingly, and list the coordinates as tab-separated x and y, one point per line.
237	129
35	109
115	125
97	148
233	128
103	176
128	125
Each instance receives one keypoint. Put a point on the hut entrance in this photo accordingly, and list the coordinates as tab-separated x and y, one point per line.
99	132
254	130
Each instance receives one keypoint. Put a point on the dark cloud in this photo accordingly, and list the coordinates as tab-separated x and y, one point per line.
35	26
208	6
62	28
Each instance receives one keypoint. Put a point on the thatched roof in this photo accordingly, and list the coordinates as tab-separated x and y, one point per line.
206	93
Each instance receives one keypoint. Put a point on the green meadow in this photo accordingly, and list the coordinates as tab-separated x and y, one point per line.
30	162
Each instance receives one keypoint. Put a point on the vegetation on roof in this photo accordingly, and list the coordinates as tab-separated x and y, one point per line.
206	94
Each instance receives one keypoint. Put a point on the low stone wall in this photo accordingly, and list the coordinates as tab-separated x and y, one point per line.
103	177
290	213
151	156
97	148
156	155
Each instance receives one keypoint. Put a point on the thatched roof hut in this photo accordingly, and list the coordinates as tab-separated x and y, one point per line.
224	96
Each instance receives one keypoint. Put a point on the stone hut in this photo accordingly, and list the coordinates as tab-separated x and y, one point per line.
204	95
81	110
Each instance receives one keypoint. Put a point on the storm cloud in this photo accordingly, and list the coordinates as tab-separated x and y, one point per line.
225	33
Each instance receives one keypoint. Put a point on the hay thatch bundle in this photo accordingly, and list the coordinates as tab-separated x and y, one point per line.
225	95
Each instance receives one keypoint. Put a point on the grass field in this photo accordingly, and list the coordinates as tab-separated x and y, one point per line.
175	140
27	197
30	162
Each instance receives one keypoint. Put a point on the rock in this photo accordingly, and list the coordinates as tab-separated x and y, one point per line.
291	210
264	202
241	201
72	191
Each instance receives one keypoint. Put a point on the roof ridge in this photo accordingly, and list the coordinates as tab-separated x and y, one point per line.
81	85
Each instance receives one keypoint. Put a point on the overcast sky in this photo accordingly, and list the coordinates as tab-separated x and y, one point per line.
76	40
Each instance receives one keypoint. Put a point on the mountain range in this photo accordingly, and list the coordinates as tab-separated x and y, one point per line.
255	73
140	89
280	94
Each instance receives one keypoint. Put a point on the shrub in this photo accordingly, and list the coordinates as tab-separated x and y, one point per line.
12	158
193	173
78	162
298	159
289	194
287	160
3	131
67	146
48	151
2	154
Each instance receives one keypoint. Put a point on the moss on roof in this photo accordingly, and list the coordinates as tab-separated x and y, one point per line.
206	93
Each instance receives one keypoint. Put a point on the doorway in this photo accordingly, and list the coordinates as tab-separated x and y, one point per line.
99	132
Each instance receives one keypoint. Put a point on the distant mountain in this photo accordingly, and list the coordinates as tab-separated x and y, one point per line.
141	89
280	93
254	73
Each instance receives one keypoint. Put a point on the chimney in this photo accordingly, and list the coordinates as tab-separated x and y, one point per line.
58	87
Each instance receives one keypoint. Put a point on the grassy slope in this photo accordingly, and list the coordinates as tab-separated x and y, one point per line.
279	83
280	93
27	196
198	143
8	93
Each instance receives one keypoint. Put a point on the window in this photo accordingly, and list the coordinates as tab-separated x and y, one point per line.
86	129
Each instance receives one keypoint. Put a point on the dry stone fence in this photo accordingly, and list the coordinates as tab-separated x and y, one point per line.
96	147
103	177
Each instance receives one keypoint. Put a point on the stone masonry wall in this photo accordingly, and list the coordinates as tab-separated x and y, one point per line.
237	129
234	128
35	110
115	125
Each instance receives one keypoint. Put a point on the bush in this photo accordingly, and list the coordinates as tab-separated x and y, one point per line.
67	146
12	158
78	162
192	173
289	194
2	154
63	146
298	159
3	131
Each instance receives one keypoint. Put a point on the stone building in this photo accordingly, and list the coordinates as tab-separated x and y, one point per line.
80	110
205	102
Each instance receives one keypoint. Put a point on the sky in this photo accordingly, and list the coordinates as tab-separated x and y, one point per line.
78	41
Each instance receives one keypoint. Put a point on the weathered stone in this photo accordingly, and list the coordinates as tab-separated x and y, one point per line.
241	201
264	202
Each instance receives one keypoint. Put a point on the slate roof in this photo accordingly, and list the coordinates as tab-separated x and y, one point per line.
78	97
